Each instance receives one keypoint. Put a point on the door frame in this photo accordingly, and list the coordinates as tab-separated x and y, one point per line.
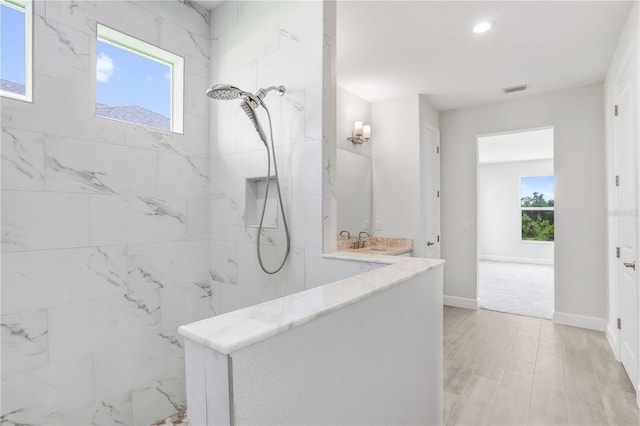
631	57
422	241
505	132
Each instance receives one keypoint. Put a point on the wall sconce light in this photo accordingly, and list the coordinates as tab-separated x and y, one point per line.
360	133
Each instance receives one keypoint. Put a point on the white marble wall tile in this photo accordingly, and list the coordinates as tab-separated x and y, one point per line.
313	113
183	304
39	279
223	20
74	165
83	15
198	218
41	220
306	221
86	327
298	21
133	364
255	36
193	143
228	220
157	266
319	271
192	46
129	219
197	102
300	168
63	52
151	406
224	262
299	65
185	12
44	393
222	129
182	176
22	159
24	341
233	170
114	410
295	273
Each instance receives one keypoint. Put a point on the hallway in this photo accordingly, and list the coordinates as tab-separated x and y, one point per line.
504	369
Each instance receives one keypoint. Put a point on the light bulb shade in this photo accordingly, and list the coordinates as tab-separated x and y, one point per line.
366	131
357	128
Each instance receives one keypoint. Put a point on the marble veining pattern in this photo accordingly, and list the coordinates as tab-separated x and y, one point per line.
105	228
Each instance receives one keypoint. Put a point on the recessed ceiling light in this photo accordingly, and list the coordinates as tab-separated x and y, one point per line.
482	27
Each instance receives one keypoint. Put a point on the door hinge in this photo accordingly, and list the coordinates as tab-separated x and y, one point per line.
618	252
617	180
619	324
438	194
438	238
615	110
437	150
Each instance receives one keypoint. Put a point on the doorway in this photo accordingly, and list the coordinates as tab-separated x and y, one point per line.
516	226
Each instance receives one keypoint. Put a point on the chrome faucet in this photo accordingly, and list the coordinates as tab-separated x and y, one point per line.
348	234
360	242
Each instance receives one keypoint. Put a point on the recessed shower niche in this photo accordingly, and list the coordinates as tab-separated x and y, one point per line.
254	193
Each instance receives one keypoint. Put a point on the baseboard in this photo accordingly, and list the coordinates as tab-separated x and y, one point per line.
581	321
612	337
516	260
460	302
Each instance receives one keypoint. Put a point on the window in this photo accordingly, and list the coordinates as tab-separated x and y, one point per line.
537	205
15	49
137	82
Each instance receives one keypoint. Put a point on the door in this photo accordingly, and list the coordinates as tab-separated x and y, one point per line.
431	187
627	204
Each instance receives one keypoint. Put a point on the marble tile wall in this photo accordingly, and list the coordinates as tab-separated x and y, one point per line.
105	228
261	44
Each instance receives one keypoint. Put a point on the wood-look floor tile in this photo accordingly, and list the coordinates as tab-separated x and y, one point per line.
512	402
548	397
450	401
474	406
555	374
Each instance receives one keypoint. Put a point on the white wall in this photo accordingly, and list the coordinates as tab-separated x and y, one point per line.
499	212
580	246
104	228
398	125
629	43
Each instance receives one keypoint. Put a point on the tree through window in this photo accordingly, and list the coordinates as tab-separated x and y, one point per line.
537	206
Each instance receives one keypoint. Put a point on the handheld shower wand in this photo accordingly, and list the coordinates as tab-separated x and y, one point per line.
249	104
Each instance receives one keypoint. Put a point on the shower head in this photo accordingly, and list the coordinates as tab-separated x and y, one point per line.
225	92
248	108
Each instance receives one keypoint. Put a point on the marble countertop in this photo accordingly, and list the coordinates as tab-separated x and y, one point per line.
377	245
230	332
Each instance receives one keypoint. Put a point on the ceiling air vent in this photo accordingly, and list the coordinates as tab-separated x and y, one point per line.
512	89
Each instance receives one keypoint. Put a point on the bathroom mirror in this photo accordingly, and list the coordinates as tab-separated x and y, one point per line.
353	191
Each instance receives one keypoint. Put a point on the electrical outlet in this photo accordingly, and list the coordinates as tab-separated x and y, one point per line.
378	225
466	226
366	225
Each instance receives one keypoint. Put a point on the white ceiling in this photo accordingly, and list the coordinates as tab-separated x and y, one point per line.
389	49
521	146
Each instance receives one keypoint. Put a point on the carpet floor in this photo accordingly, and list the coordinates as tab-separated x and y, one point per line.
516	288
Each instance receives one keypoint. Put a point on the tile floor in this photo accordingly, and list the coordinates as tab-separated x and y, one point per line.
504	369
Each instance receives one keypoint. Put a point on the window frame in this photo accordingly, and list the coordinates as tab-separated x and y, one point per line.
523	209
139	47
25	6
